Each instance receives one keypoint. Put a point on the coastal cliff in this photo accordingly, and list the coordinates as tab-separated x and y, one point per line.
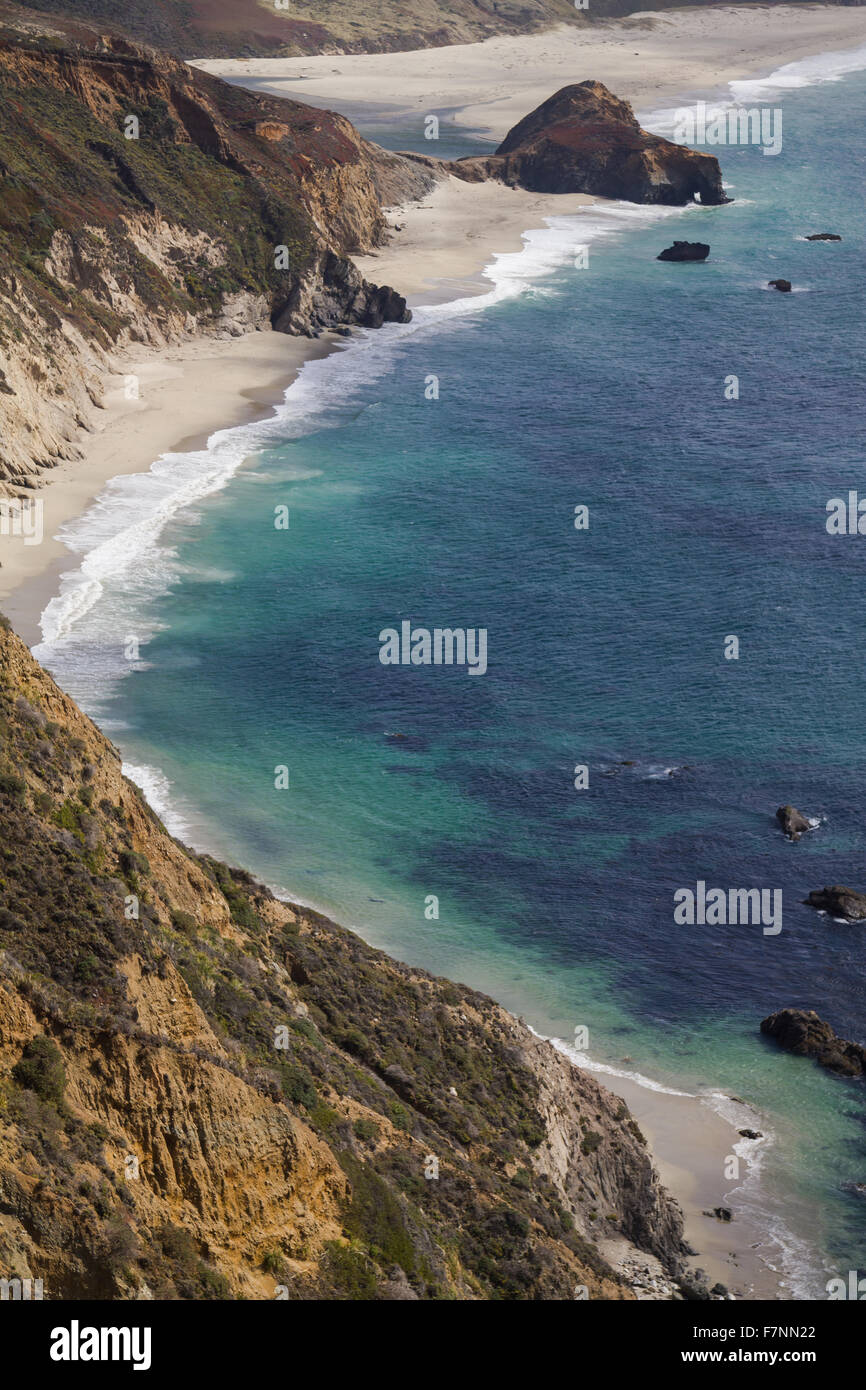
144	201
209	1093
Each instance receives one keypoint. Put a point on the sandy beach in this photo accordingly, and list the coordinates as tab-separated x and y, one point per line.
652	60
445	241
185	393
691	1144
190	390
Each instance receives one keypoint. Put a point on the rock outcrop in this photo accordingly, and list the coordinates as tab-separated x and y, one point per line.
144	202
583	139
783	286
207	1093
824	236
802	1032
685	251
793	822
838	901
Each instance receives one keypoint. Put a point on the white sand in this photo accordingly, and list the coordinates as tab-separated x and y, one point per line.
691	1144
652	60
185	393
445	240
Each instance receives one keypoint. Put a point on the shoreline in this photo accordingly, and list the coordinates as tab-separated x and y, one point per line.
187	392
652	59
192	390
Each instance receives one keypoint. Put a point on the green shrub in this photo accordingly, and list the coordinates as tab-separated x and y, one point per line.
13	786
374	1215
41	1070
133	864
297	1085
590	1142
351	1274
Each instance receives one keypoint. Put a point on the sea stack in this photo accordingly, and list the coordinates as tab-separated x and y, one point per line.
685	251
583	139
793	822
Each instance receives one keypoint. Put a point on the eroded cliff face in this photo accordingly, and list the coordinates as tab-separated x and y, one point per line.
207	1093
141	201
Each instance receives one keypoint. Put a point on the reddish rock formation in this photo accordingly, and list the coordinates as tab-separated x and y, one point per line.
583	139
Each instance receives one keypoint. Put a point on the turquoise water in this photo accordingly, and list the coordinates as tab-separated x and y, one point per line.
603	387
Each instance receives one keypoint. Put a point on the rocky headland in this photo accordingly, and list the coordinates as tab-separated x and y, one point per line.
146	202
209	1093
584	139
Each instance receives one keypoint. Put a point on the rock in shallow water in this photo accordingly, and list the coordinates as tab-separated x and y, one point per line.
685	251
802	1032
793	822
784	286
838	901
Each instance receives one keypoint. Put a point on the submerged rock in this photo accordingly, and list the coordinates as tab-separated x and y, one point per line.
783	285
793	822
685	251
802	1032
750	1134
824	236
838	901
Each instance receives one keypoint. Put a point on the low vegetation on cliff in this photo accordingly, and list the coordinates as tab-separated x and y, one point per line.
142	200
208	1093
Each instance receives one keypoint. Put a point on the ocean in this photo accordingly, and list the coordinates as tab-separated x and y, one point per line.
431	473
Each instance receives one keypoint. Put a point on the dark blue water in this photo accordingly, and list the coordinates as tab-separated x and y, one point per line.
605	387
